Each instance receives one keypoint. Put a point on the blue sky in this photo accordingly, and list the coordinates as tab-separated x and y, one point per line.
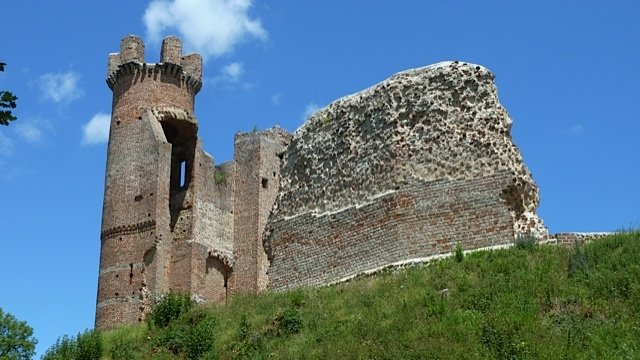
567	72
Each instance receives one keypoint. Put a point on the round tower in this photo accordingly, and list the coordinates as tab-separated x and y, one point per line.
149	162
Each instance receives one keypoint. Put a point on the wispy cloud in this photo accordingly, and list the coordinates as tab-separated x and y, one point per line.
311	109
230	77
276	99
6	150
230	74
32	130
6	145
60	88
96	130
210	27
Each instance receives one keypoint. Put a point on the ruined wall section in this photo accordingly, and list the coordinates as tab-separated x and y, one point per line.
213	228
214	205
438	123
419	221
257	158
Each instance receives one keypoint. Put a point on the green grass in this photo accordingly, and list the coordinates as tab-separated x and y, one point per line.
528	302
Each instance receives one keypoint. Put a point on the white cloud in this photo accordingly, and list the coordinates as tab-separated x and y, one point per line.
60	87
31	130
311	109
6	145
233	71
276	99
210	27
229	76
96	131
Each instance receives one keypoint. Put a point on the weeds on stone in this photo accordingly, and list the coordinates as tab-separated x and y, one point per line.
219	177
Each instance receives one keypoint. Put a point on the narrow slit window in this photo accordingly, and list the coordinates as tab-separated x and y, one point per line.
183	172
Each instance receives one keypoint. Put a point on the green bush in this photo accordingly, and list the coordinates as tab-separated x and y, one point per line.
123	348
89	345
459	253
85	346
191	334
290	321
65	348
526	242
170	307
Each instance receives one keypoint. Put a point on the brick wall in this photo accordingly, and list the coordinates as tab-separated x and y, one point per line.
573	239
257	158
418	220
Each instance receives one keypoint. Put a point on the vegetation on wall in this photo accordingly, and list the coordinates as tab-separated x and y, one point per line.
526	302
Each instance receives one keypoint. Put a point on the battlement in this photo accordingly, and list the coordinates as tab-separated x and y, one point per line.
131	60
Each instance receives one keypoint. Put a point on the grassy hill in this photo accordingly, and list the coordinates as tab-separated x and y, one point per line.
526	302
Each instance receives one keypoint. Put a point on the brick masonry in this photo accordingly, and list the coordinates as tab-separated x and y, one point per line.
418	220
403	171
172	219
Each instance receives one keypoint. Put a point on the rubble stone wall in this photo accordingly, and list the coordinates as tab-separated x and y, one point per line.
395	142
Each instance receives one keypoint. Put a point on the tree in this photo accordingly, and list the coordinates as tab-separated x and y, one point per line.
7	101
16	338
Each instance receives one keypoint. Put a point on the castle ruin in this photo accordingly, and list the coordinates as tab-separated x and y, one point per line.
401	172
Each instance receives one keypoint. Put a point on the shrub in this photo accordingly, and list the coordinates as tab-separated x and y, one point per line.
190	334
89	345
85	346
123	348
199	338
290	322
526	242
459	253
65	348
170	307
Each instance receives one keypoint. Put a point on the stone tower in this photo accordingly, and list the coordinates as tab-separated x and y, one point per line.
152	143
168	219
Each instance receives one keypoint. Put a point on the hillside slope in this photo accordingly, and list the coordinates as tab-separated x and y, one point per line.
528	301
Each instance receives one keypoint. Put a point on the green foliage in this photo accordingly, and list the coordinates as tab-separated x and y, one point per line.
289	322
503	304
89	345
526	242
578	262
7	101
65	348
458	253
170	307
121	344
219	177
16	338
85	346
191	334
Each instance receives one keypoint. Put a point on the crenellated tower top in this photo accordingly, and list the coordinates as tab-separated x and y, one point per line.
131	58
139	86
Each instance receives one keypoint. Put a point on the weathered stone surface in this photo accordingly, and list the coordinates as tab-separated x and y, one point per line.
437	123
